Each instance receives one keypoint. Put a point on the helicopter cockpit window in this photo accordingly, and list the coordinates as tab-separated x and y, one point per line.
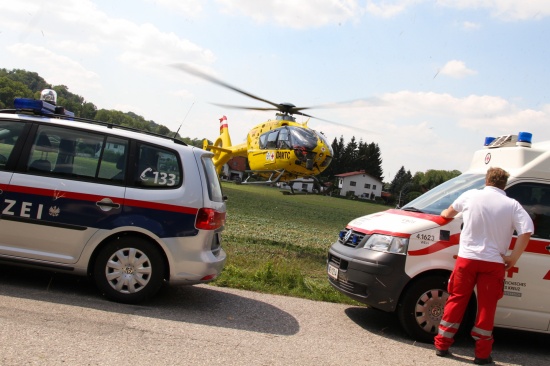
303	137
284	140
272	139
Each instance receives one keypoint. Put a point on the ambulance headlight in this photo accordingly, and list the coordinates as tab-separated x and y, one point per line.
387	243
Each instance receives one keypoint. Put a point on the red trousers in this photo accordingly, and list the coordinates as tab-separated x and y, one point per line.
489	279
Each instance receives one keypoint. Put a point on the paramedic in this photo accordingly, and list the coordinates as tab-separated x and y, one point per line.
490	218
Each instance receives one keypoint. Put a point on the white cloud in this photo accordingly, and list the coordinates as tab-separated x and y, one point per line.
388	9
456	69
60	69
504	9
190	8
470	25
77	58
428	130
295	14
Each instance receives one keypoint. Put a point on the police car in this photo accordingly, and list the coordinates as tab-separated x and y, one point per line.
129	209
400	260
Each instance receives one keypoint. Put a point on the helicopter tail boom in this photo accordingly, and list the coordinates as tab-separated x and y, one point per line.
222	148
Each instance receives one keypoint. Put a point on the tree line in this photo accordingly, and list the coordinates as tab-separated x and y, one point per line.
18	83
348	157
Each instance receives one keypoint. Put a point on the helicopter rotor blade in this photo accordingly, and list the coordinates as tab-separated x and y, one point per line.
285	108
246	108
202	75
338	123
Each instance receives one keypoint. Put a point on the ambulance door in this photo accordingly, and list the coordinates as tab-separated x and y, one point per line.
67	188
527	286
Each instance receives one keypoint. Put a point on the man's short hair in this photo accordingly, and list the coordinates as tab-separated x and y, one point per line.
496	177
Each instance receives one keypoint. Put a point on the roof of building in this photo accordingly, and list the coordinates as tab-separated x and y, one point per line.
351	174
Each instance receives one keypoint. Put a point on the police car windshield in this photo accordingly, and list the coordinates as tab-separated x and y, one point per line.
439	198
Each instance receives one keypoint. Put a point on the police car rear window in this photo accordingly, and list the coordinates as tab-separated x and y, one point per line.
157	168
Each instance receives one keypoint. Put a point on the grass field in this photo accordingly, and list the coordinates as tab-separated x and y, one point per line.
278	243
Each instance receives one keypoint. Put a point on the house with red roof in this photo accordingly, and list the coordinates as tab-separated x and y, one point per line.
360	184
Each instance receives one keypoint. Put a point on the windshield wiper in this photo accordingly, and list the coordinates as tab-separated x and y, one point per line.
412	209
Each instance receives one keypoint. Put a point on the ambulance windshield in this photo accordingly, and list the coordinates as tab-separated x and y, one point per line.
439	198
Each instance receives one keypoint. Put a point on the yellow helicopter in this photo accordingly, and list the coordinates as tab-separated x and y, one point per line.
278	150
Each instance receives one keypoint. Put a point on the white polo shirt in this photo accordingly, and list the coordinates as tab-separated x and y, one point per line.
490	218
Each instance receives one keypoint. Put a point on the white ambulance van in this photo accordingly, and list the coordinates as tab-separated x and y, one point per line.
400	260
129	209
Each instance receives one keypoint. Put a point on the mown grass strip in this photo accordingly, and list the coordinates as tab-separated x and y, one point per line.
278	243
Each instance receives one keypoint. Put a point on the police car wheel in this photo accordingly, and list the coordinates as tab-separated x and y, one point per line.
129	270
421	307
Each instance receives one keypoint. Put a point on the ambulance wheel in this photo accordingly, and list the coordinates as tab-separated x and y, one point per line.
129	270
421	307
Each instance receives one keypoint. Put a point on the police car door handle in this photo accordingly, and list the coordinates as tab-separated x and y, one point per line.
107	204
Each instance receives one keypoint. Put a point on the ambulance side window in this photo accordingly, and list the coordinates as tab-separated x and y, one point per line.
9	133
535	199
157	168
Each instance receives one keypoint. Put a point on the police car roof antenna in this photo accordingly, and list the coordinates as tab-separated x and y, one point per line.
184	118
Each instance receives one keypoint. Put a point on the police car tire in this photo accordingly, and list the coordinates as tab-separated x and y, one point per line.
149	270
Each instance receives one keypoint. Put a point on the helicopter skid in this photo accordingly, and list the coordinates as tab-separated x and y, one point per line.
274	177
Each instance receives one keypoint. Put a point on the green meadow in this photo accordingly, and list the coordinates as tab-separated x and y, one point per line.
278	243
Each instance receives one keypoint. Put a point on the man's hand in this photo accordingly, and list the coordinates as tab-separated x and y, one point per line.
519	247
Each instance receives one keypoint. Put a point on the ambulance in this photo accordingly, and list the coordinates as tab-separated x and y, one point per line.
400	260
131	210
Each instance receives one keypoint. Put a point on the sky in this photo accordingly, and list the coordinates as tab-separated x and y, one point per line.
426	80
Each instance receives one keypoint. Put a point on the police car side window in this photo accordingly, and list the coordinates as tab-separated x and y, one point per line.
9	133
78	154
157	168
114	159
535	198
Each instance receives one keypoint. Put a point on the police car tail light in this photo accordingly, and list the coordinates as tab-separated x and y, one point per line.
387	243
209	219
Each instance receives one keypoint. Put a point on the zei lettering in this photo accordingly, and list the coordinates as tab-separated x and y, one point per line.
27	209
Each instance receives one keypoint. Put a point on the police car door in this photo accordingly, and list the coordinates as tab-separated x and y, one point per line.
66	189
527	286
10	145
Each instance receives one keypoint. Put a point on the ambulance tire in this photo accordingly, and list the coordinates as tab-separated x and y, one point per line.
421	308
129	270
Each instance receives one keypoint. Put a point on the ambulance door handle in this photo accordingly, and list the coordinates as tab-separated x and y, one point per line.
106	204
548	248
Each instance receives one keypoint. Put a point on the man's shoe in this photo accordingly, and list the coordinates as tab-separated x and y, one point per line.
483	361
442	352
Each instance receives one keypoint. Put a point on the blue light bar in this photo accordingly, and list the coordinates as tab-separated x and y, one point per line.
40	107
525	137
37	106
488	140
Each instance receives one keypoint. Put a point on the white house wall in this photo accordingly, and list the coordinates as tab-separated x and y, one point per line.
344	183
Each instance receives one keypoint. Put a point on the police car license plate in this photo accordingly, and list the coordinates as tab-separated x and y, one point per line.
332	271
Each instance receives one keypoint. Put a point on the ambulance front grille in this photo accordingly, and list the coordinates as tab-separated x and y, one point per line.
353	238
